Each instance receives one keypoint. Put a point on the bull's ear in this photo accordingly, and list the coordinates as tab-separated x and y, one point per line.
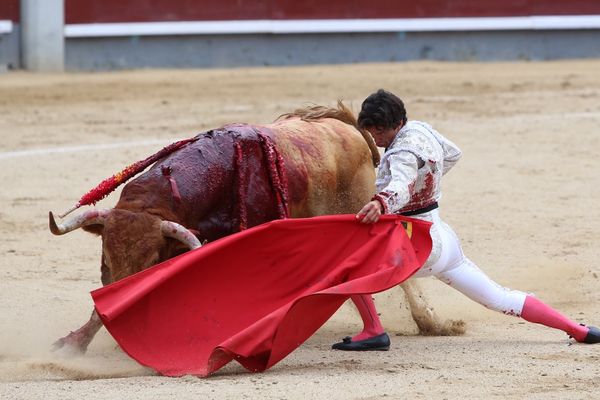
96	229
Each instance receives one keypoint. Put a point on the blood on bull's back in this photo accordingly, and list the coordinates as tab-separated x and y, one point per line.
240	176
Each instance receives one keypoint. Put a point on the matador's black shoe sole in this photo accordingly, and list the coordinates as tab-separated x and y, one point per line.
375	343
593	335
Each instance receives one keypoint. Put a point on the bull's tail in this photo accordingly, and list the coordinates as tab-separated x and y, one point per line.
341	113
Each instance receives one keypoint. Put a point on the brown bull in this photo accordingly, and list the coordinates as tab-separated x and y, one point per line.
311	162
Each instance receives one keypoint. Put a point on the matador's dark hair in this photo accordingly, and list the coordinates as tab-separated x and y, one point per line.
382	109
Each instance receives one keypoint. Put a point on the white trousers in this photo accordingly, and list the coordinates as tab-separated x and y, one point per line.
448	263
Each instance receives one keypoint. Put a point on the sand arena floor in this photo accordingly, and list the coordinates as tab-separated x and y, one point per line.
524	200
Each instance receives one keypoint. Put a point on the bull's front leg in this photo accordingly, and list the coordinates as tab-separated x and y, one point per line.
427	321
77	342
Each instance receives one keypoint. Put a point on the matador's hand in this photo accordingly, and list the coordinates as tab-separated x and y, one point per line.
370	213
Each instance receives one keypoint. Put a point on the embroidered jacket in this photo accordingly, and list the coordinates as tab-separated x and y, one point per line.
409	175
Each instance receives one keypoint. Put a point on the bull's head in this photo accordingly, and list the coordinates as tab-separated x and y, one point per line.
131	241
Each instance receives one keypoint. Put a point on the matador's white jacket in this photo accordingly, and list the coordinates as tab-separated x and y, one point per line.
411	168
408	179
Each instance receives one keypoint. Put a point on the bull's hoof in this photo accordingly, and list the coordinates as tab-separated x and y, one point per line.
67	347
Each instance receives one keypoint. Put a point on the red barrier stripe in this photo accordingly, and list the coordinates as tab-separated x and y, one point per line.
9	10
83	11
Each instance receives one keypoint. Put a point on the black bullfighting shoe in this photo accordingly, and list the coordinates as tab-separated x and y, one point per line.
593	335
375	343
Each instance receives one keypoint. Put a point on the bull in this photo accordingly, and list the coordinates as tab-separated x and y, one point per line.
314	161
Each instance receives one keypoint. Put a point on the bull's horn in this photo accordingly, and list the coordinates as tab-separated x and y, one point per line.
87	218
181	233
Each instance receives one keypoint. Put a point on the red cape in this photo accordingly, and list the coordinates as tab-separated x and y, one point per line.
255	296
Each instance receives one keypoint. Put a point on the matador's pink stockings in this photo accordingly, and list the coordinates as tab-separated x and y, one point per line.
536	311
533	311
368	313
